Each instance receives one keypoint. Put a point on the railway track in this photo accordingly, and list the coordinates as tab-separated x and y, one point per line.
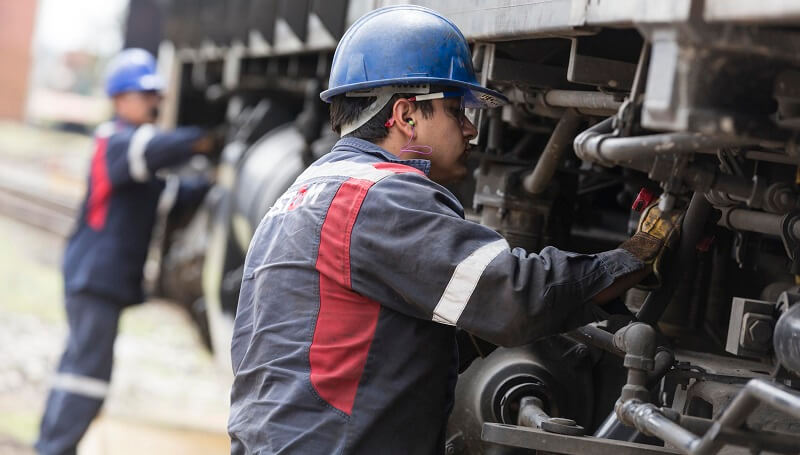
22	199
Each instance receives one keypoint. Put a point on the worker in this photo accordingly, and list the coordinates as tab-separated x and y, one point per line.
356	278
105	255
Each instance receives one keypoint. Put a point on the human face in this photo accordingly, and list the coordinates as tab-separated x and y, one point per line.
448	132
137	108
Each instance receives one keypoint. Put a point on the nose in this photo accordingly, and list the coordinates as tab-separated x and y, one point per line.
468	129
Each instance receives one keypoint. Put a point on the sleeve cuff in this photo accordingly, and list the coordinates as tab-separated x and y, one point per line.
619	262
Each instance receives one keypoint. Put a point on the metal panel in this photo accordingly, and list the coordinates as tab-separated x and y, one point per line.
506	19
515	19
295	13
780	11
263	14
619	12
332	15
237	21
213	20
592	70
144	27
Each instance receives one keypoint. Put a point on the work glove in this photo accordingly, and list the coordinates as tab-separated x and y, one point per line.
212	143
656	236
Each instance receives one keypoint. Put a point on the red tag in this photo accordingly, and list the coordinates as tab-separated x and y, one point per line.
643	199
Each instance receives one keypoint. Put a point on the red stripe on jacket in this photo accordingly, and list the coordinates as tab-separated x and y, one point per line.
346	320
99	187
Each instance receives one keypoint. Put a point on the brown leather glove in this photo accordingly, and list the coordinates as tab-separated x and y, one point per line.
656	235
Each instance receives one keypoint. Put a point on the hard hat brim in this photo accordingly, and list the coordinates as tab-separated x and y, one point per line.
475	96
151	82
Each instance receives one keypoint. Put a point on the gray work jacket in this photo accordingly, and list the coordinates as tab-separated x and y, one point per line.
353	283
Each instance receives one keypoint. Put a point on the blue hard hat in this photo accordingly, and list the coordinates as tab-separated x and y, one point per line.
406	45
133	70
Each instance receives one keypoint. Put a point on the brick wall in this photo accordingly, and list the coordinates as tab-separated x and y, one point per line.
16	35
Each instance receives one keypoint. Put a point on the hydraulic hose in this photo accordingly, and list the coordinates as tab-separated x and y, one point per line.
692	230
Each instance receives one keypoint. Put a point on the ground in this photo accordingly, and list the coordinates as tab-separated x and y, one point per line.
167	395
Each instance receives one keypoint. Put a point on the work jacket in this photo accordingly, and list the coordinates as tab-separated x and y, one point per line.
355	278
106	252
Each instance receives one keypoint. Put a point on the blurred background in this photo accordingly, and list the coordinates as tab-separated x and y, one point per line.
167	394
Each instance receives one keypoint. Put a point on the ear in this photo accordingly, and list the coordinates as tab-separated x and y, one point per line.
401	114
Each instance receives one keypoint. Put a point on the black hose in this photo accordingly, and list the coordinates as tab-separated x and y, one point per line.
692	230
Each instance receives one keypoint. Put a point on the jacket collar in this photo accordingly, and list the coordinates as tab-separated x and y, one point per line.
360	145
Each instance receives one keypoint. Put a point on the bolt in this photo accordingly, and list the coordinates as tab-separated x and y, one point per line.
760	331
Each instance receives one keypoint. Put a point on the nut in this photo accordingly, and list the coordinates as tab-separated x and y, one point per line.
759	331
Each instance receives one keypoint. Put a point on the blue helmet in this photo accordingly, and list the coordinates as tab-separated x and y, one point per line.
133	70
398	48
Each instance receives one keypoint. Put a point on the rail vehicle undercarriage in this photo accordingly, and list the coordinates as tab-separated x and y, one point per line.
612	104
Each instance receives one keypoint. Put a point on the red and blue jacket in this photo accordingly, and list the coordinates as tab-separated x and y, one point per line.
344	339
106	252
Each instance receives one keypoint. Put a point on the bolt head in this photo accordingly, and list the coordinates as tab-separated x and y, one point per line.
760	331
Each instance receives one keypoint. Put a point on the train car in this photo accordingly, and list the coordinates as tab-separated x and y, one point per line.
612	103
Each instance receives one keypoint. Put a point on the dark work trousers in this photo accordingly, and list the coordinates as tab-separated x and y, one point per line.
81	383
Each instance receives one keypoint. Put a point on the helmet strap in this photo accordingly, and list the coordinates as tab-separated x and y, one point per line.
383	95
367	113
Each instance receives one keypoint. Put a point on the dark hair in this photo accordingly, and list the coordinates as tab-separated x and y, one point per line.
346	109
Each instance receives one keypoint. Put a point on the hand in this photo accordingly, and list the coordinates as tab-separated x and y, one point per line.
205	145
657	234
212	143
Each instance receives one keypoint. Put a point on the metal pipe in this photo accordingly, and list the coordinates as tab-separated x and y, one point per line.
612	427
581	100
648	419
638	340
767	440
745	402
599	145
595	336
755	221
531	413
589	140
664	360
560	141
625	149
692	230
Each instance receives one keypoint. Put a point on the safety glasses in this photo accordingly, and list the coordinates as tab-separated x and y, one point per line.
457	112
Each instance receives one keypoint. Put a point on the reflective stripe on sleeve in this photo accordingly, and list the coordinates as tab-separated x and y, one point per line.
81	385
137	165
463	282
